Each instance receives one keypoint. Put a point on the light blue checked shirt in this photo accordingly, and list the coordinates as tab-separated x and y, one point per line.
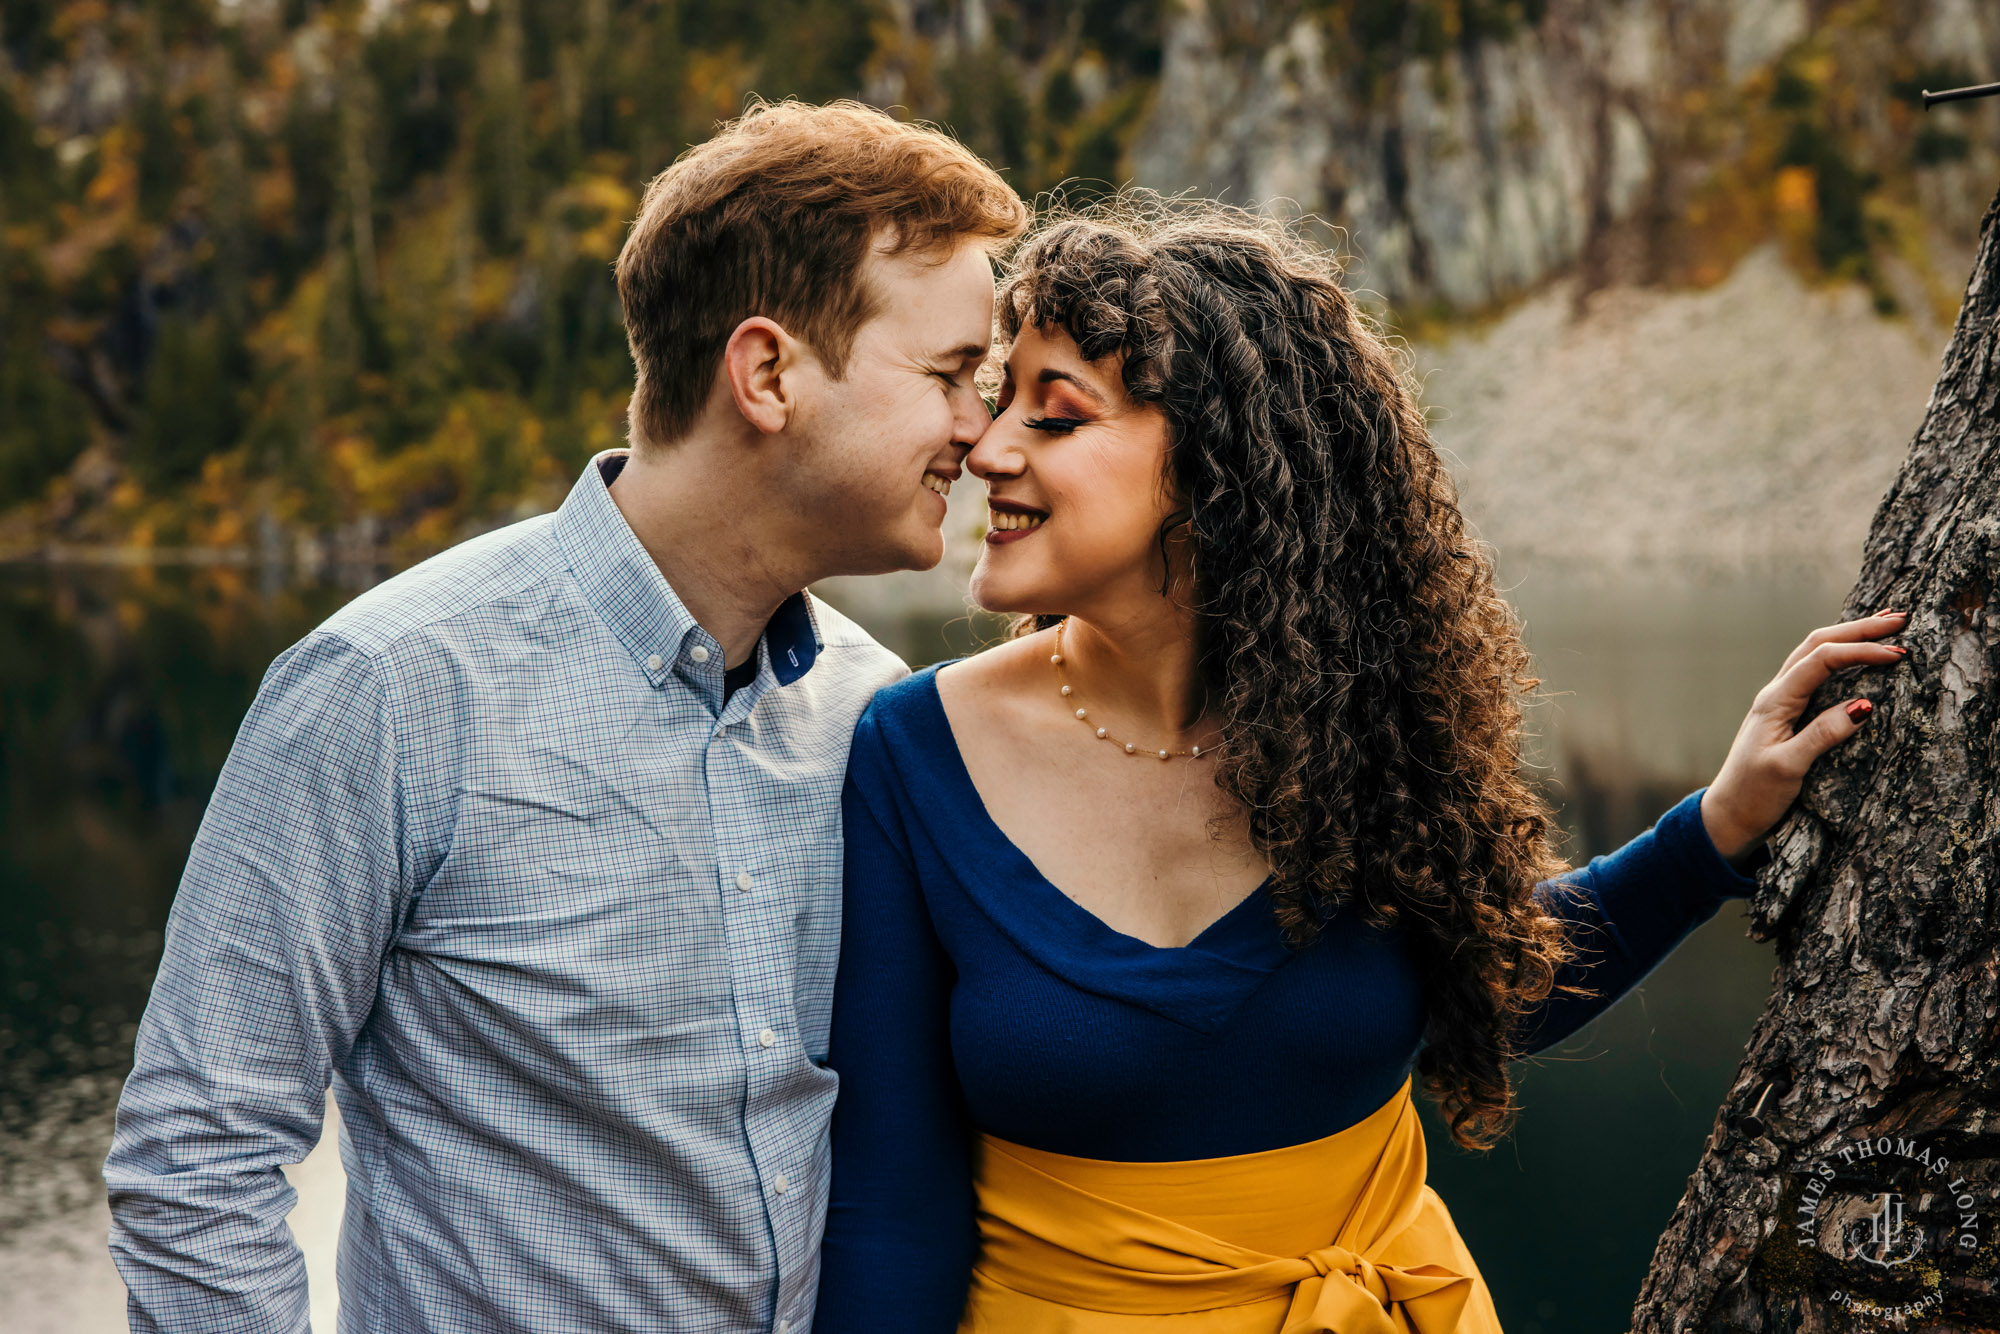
491	855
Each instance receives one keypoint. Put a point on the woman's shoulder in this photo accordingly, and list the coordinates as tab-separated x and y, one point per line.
908	696
907	727
919	698
993	674
902	723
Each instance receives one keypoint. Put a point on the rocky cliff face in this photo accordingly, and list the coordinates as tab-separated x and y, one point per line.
1472	151
339	273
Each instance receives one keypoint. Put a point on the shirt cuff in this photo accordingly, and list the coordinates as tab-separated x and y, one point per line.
1682	830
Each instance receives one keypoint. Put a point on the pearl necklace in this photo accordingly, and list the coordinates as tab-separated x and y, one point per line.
1083	714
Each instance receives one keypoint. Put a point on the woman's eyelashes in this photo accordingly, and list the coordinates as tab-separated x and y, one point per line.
1055	425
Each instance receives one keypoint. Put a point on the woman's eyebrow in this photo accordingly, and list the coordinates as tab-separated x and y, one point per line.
1050	375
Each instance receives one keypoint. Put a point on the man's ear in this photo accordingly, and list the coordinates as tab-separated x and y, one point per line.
761	363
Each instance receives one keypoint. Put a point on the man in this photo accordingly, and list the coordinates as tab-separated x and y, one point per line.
534	850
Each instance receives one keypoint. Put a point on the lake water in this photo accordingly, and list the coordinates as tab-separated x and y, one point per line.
120	691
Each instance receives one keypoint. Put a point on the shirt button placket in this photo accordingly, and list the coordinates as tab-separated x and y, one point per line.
758	1003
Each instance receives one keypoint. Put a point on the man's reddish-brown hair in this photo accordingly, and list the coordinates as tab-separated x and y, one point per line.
774	216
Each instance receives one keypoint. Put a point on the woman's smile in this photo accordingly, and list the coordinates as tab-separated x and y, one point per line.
1010	520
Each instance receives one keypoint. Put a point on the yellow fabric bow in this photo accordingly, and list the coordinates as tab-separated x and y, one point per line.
1125	1240
1351	1294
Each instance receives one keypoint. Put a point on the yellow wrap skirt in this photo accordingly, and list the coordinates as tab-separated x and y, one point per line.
1338	1236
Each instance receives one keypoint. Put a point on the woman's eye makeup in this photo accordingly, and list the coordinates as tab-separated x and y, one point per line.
1061	413
1058	416
1054	424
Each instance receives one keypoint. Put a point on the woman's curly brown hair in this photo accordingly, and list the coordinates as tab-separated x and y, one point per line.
1367	677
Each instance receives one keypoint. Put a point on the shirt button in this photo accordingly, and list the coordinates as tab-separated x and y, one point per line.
654	663
744	882
767	1038
784	1327
698	653
781	1183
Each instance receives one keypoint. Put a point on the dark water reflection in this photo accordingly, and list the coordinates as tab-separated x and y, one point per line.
121	690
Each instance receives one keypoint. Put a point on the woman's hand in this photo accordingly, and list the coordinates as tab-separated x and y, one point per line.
1767	763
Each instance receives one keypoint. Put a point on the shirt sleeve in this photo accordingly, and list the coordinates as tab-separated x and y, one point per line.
900	1235
1627	911
292	893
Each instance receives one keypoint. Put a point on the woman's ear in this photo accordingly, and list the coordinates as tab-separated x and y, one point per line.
757	361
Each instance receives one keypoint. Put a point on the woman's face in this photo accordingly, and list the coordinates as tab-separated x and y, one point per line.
1075	475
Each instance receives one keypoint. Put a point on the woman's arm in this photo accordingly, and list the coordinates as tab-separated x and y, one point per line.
1626	913
1629	910
899	1228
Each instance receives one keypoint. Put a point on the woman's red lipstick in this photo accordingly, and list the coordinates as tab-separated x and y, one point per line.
1020	520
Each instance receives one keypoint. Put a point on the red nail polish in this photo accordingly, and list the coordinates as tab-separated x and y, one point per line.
1859	710
1896	648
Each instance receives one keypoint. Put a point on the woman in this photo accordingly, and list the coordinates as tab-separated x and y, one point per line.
1155	912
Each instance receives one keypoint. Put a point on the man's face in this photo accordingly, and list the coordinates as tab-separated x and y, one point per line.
880	445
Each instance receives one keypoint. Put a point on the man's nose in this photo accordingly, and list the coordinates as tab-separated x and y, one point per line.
972	425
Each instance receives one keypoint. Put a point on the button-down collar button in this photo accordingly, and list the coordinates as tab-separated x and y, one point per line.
654	663
767	1038
699	653
781	1183
784	1327
744	882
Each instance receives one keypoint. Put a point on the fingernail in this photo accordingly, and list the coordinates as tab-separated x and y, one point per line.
1897	648
1887	611
1859	710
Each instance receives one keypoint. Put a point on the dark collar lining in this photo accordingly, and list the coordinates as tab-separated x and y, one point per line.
792	632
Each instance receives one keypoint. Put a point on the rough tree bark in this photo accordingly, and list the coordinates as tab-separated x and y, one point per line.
1879	1054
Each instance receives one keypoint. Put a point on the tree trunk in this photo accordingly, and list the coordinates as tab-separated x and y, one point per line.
1869	1177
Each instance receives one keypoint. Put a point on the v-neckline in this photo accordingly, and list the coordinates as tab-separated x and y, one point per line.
1198	984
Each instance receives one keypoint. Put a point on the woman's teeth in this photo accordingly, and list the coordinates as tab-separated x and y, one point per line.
941	485
1008	519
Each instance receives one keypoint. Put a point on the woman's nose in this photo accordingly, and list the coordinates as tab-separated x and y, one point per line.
996	454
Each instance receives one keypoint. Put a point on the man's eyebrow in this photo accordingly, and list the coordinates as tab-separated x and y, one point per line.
965	352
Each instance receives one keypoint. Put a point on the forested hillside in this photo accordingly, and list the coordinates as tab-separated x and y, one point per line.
294	278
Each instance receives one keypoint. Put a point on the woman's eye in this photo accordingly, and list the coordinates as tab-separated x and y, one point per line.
1054	425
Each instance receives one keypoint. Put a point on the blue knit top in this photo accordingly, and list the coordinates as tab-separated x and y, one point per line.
973	994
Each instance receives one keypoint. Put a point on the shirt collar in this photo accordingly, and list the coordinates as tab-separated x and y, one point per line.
625	587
